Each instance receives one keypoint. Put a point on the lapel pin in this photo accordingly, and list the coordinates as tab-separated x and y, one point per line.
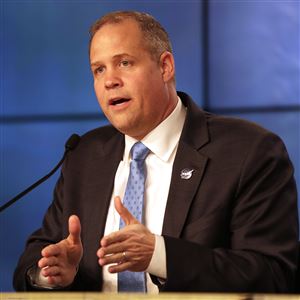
186	173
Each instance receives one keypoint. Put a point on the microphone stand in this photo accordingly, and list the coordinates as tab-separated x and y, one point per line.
70	145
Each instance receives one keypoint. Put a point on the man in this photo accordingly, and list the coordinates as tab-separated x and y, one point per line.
220	207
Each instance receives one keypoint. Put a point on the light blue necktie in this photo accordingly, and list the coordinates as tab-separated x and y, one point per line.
134	202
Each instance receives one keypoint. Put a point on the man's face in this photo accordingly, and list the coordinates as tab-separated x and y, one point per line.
130	86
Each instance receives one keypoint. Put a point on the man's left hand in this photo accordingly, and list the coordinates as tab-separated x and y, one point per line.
131	248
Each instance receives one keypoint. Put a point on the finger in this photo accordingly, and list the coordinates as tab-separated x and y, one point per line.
101	252
74	230
51	271
114	237
120	267
113	259
124	213
47	261
115	247
51	250
55	280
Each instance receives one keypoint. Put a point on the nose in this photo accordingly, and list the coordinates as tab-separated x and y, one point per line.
112	80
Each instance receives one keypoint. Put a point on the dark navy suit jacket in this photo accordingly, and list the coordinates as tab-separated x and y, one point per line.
232	226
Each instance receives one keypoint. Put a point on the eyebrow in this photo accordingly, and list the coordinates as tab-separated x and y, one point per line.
95	64
115	57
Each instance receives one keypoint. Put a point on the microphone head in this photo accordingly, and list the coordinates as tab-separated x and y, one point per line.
72	142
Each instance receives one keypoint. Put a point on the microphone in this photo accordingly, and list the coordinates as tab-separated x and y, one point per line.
71	144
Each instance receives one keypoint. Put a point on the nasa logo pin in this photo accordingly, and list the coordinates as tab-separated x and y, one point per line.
186	173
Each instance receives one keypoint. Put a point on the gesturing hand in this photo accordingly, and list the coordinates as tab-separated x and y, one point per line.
59	262
131	248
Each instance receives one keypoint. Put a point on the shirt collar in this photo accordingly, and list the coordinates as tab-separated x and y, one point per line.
163	139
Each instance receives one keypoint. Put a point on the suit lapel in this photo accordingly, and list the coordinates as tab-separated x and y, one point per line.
102	163
110	155
182	191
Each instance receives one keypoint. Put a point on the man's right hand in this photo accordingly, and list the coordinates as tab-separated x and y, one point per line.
60	261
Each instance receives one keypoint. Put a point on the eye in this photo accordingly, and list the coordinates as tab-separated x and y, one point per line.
99	70
125	63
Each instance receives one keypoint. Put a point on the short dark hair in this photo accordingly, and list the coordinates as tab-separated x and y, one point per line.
156	38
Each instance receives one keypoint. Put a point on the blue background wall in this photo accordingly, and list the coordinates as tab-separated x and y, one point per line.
238	58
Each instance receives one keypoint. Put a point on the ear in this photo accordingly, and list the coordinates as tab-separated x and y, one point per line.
167	66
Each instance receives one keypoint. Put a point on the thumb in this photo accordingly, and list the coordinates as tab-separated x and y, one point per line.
74	230
124	213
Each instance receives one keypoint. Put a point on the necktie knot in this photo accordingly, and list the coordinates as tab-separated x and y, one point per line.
139	151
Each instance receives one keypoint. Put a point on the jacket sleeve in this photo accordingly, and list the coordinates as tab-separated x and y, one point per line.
51	232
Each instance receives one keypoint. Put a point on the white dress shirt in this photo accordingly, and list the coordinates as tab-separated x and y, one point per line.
163	143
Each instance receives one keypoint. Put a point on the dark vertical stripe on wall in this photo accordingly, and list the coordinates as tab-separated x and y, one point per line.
205	51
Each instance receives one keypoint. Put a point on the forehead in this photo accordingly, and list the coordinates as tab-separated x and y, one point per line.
116	36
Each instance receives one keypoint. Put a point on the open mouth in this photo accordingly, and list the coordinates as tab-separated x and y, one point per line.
118	101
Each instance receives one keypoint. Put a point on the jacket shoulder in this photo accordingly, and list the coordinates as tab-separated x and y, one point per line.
100	134
97	142
231	127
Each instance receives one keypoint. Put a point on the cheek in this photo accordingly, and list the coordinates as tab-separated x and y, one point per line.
96	87
98	91
100	98
101	103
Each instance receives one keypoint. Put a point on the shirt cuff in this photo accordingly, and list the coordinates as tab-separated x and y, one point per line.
37	280
158	264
